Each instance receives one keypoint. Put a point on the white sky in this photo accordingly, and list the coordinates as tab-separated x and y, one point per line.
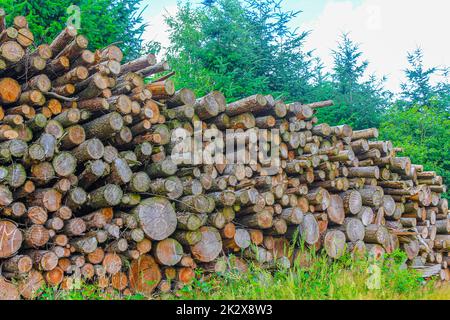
385	29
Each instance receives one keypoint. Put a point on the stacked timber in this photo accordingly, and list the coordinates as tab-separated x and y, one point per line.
92	188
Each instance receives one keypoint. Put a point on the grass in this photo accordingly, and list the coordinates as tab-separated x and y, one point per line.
342	279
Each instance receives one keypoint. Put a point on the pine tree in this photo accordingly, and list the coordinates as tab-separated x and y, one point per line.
348	67
239	47
418	89
284	61
360	99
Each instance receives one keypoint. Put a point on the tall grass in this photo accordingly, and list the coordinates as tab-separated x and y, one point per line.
345	278
342	279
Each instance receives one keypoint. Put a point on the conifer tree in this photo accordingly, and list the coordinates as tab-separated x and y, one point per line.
240	47
418	88
360	99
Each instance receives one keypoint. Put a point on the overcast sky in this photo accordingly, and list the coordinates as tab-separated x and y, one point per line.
385	29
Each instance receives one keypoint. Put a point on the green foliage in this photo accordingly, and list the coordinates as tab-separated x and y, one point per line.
420	121
358	102
398	276
345	278
424	134
417	90
238	47
84	291
348	67
103	21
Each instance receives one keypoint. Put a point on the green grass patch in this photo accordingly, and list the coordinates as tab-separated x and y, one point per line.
342	279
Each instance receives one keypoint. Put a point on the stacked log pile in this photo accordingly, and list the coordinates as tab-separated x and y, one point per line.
89	188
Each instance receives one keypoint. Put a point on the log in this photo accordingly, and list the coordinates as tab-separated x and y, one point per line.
43	260
112	263
11	238
138	64
389	205
443	226
8	290
334	243
260	220
144	275
74	227
63	39
309	230
240	241
336	212
182	97
209	247
352	201
11	51
36	236
188	238
376	234
91	149
207	107
156	218
93	171
256	103
198	204
168	252
104	127
37	215
293	216
119	281
366	216
171	187
164	168
10	90
18	264
120	172
353	229
106	196
190	221
365	134
364	172
85	245
30	286
372	196
64	164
